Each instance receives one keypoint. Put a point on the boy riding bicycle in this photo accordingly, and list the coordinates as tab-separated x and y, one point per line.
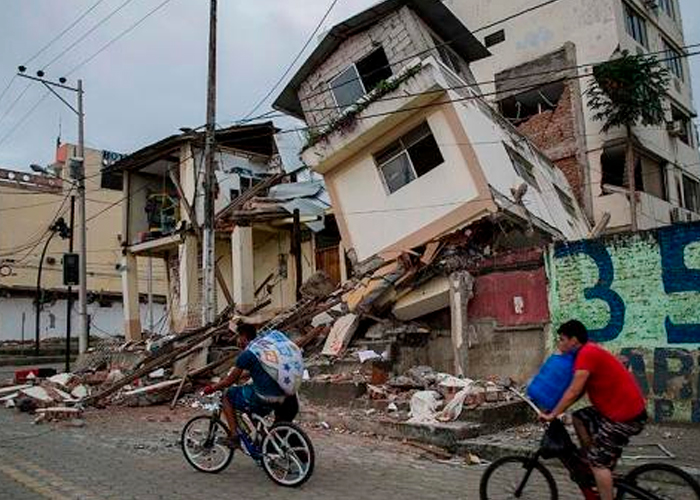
618	406
275	366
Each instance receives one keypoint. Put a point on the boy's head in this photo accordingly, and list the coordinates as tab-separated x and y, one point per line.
572	335
246	334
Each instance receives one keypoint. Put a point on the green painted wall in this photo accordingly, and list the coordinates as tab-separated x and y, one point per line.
639	296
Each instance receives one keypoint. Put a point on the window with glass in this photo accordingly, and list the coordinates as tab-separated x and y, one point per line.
523	168
636	26
691	194
668	7
360	78
674	60
411	156
566	201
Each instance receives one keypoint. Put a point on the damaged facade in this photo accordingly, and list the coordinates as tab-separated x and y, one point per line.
431	188
262	250
539	71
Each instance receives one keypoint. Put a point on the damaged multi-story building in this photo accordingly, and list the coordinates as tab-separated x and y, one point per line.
411	153
542	58
271	229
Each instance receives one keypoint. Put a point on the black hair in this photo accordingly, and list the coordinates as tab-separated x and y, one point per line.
574	329
246	330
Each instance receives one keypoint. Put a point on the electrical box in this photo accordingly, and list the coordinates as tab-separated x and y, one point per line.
71	269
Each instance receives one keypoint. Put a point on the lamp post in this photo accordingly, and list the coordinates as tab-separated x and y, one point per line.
80	179
58	227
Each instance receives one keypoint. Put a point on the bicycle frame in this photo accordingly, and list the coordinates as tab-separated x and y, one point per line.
580	472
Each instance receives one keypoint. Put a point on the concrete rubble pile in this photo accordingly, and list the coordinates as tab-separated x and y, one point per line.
349	335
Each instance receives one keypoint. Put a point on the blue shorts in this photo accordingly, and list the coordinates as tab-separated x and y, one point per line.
243	398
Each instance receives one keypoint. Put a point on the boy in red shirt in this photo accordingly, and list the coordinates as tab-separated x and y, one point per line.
618	411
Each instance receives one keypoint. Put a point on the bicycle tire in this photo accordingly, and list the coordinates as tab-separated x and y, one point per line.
524	461
183	444
683	479
266	461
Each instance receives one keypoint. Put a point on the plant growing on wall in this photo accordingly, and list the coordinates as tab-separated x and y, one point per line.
624	92
348	117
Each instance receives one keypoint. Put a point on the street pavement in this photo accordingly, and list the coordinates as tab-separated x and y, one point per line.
134	454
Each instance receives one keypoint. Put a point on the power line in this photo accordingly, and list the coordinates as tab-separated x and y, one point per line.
291	65
14	103
120	36
66	30
441	102
24	118
517	14
7	87
88	33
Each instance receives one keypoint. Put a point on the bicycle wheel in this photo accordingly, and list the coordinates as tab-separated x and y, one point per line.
664	481
203	444
287	455
505	476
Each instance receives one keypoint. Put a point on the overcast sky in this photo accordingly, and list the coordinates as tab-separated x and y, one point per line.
152	81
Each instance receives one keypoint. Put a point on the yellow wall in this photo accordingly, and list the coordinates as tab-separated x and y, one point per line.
25	215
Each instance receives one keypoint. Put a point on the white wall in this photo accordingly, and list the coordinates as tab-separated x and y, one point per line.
105	320
488	136
376	218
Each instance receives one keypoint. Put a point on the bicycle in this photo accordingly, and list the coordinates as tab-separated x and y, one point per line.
527	477
282	449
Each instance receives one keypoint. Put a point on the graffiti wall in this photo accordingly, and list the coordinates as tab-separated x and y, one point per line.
639	296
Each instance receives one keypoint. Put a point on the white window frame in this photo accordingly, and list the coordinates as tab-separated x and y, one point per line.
358	79
404	151
357	76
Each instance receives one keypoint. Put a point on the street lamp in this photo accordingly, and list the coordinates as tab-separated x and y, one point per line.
80	180
59	227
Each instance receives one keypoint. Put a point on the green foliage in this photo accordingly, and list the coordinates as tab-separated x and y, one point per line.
627	91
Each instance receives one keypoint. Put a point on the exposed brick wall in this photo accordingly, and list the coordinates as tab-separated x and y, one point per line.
554	132
400	34
639	294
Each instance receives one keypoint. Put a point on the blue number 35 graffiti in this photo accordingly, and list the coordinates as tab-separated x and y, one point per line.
676	277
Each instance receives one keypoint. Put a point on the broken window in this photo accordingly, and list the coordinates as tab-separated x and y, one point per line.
566	201
681	126
408	158
523	168
360	78
448	56
691	194
521	107
614	169
674	60
636	26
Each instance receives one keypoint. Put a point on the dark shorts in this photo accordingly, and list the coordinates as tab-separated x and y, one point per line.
244	398
607	436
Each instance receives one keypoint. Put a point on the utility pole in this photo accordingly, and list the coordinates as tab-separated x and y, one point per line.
82	291
209	237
